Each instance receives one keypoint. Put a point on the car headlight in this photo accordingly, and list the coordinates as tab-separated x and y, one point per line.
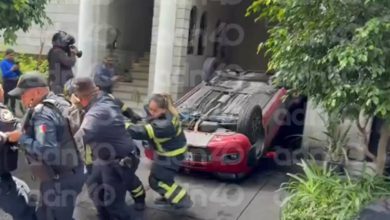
231	158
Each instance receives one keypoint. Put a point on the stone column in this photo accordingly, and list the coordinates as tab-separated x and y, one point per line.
163	67
92	34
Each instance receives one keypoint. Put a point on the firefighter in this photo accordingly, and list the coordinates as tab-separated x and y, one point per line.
50	148
164	132
12	199
113	150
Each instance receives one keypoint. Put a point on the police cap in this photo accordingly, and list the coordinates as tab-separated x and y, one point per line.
28	81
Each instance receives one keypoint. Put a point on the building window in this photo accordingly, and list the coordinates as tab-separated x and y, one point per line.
202	34
191	34
219	36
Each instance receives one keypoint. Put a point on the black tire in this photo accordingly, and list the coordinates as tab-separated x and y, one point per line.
250	121
210	65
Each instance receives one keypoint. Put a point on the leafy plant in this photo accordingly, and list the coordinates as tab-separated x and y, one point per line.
337	139
32	63
320	193
29	63
20	15
336	52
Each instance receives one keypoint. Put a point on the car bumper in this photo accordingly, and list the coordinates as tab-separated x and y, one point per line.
229	154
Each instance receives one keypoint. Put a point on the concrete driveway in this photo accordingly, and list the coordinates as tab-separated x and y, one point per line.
254	198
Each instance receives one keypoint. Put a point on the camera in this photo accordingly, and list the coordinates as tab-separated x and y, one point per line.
66	41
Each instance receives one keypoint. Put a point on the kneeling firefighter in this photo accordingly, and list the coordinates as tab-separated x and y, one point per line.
165	134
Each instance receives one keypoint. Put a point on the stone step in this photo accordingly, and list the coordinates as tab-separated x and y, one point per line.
140	75
133	98
140	67
134	83
130	89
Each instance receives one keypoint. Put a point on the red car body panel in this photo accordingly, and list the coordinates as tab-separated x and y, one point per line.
207	151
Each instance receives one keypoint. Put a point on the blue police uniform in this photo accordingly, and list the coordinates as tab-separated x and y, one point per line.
12	200
53	158
166	136
114	160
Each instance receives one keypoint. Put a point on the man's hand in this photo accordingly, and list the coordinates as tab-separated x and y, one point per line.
74	99
15	67
14	136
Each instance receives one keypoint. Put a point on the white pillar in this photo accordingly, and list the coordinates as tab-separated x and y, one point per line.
92	38
165	46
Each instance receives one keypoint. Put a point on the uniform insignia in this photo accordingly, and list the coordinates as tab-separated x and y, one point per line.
6	115
41	133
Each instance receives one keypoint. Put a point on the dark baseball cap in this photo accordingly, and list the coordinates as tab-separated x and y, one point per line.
28	81
84	86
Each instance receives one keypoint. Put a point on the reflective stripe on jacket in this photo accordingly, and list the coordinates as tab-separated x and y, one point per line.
165	134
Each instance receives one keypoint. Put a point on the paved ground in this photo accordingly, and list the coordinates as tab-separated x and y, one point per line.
253	198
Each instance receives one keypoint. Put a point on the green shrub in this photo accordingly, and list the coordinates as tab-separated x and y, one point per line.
29	63
321	194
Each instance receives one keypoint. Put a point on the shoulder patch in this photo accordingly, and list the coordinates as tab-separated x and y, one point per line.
38	108
6	115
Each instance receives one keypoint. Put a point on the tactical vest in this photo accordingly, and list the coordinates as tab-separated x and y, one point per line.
69	158
8	152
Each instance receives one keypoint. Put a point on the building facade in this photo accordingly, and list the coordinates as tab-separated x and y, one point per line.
161	44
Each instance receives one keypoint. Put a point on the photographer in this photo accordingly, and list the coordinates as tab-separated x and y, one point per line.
11	73
62	58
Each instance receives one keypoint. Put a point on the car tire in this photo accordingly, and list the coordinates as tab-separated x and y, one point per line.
210	65
250	121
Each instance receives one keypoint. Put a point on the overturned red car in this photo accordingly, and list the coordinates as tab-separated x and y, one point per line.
230	122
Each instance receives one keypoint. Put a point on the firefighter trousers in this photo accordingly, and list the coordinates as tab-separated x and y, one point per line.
162	179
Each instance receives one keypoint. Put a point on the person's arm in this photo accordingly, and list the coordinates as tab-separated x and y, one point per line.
44	138
158	130
64	59
137	132
127	111
6	69
88	129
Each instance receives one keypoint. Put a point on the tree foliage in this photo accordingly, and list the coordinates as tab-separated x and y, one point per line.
20	15
335	51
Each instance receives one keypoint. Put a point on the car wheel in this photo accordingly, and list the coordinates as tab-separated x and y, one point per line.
250	121
210	65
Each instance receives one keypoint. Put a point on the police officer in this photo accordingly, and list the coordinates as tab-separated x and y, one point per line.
12	199
165	134
135	190
50	148
105	83
105	75
114	160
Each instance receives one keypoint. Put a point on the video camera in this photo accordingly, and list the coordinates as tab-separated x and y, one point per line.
66	41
